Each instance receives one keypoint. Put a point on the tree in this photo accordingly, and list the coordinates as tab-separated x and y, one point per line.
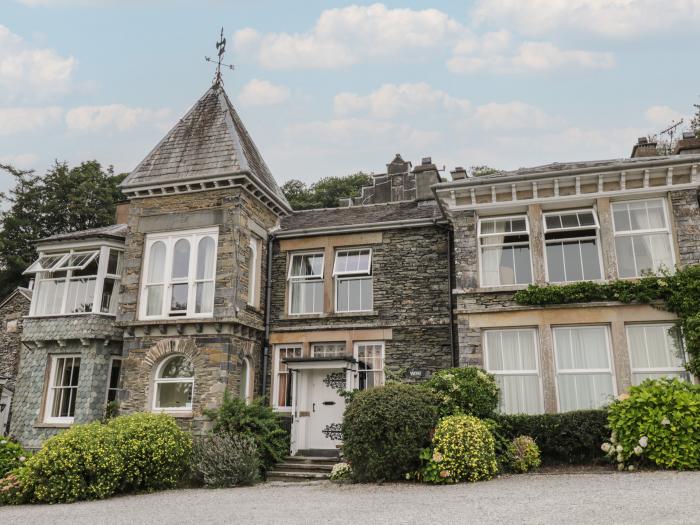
65	199
480	171
695	123
326	193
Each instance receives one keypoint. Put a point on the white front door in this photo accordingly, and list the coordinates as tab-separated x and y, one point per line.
326	408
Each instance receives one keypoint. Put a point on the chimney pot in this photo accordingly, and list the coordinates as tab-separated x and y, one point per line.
642	140
426	160
459	173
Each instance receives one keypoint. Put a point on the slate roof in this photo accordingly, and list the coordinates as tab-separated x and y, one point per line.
357	215
209	141
115	231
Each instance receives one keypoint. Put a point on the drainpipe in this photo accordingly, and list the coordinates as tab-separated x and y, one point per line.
268	301
450	278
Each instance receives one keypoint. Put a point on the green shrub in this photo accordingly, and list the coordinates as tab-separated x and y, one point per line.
156	452
463	450
13	487
660	422
469	391
385	428
524	454
256	420
79	463
12	455
226	460
566	438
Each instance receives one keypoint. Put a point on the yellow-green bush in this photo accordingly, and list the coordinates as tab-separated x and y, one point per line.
463	450
523	454
658	422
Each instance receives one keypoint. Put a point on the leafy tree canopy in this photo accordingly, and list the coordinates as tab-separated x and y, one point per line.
480	171
326	193
65	199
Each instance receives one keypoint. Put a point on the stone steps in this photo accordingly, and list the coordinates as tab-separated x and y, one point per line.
302	468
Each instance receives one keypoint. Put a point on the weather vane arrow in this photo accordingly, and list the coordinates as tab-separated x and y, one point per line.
221	49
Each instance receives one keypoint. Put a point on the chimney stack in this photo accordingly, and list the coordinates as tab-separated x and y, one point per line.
426	175
458	173
644	148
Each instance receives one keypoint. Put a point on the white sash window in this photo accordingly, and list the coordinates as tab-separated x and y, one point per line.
642	237
571	244
504	249
370	364
63	389
353	280
655	351
306	283
282	389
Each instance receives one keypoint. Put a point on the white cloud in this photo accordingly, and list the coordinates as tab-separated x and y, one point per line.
348	35
263	93
21	160
490	54
30	71
391	100
511	115
615	18
19	120
114	117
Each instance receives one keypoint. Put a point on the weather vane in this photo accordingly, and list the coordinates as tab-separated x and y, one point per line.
221	48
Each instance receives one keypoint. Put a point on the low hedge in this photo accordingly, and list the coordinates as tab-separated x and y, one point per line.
385	429
566	438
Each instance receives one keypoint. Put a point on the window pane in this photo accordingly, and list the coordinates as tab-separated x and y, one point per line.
655	210
522	265
638	216
181	259
520	394
642	254
205	258
555	262
590	259
367	291
586	218
625	257
81	293
553	221
174	395
653	346
621	218
154	300
572	261
328	350
178	366
204	298
569	220
178	299
156	263
307	297
581	348
110	295
113	263
114	373
584	391
307	265
661	251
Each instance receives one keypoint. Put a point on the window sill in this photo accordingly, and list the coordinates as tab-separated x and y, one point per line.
177	414
43	424
493	289
76	314
330	315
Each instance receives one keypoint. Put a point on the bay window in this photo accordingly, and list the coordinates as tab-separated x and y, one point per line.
504	247
655	351
306	283
353	280
571	246
283	379
642	237
584	370
62	389
180	274
77	281
511	356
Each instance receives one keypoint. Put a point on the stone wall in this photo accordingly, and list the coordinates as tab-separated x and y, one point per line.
410	272
686	214
10	333
27	419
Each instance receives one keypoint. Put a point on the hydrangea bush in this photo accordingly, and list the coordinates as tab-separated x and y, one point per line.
523	454
463	450
467	390
12	455
659	422
341	472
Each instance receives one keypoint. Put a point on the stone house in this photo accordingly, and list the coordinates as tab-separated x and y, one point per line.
358	293
210	283
12	309
562	223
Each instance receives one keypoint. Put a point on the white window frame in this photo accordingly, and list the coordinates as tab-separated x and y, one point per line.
479	236
109	377
170	239
157	380
664	370
595	226
306	278
356	355
584	371
536	372
353	276
330	343
253	269
247	367
635	233
100	276
276	371
51	390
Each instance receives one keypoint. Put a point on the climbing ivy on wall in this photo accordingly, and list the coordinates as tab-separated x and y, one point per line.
678	293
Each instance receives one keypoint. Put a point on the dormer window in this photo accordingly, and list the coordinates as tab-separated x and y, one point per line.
76	282
180	271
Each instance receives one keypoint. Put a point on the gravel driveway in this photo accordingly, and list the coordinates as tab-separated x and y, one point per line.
652	497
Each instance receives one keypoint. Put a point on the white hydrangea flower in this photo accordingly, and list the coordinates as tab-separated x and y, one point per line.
619	448
620	458
630	468
638	450
22	459
605	447
3	442
665	421
621	466
643	441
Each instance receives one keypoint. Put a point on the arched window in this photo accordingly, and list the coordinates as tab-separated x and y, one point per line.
246	390
204	296
155	278
174	383
179	278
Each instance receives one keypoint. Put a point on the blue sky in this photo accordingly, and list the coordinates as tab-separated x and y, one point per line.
330	88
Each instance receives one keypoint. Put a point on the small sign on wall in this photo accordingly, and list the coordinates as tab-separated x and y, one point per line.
418	373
